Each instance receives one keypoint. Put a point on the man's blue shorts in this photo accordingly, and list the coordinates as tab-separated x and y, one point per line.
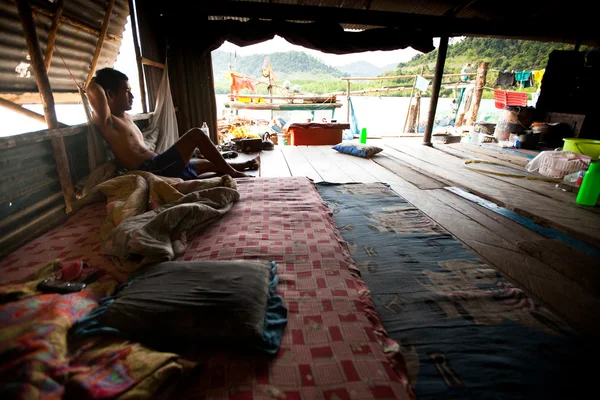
170	163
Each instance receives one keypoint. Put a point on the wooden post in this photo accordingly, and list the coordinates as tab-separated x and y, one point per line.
100	42
417	112
435	91
52	34
43	84
411	118
138	56
479	84
348	101
412	92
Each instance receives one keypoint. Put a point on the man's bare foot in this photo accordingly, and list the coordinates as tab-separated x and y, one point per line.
253	164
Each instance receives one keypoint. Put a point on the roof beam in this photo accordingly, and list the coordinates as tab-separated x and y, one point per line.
52	33
103	31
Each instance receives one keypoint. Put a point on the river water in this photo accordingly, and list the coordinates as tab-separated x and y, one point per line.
380	115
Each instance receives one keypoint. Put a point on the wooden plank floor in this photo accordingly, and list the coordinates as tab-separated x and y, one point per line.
561	276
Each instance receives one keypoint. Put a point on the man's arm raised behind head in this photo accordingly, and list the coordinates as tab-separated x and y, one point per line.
97	97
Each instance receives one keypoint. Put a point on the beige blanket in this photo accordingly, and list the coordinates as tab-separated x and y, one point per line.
152	218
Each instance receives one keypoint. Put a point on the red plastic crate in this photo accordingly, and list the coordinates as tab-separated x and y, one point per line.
315	134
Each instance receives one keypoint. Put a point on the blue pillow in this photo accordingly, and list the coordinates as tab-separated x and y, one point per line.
357	149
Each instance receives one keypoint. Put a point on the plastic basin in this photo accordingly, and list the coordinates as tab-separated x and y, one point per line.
588	147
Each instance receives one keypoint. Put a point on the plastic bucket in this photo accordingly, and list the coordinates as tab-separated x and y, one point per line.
587	147
514	119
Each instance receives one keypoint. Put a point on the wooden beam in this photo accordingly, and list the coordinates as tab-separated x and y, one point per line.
435	91
479	85
69	21
41	78
20	110
52	33
152	63
35	98
103	31
138	56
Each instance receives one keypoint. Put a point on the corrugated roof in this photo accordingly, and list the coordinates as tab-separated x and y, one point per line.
74	44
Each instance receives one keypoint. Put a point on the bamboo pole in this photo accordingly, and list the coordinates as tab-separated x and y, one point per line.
348	101
52	34
43	84
479	85
435	92
452	85
20	110
387	78
103	31
138	56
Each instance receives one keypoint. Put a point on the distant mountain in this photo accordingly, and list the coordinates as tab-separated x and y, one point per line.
365	68
291	65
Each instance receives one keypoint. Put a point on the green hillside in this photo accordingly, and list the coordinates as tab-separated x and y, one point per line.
318	78
293	66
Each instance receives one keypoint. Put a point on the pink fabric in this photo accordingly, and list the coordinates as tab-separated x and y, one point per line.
334	346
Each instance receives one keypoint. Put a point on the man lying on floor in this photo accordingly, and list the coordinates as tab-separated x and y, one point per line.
110	97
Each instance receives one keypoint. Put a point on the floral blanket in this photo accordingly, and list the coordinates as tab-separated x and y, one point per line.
41	360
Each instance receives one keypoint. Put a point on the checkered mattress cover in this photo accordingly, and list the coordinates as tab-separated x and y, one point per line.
334	346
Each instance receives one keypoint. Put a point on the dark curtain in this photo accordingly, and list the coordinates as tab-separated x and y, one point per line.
192	86
191	37
323	36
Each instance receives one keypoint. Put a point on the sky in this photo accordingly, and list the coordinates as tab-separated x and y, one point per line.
278	44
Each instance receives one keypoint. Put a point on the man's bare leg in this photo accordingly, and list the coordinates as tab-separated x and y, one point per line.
196	138
203	165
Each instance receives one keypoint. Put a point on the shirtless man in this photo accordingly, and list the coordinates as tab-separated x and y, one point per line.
110	96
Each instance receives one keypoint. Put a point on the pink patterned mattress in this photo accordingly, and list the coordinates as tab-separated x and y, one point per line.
334	346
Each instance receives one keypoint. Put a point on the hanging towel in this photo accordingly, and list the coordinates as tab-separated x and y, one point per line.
538	75
525	78
506	79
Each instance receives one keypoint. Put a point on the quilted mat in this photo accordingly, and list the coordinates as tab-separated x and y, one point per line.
334	346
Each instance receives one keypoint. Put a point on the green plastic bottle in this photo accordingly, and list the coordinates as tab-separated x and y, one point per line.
363	136
590	186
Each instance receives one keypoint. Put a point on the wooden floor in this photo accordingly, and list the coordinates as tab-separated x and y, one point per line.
520	227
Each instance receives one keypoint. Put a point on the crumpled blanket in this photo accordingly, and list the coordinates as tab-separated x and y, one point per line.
41	360
152	218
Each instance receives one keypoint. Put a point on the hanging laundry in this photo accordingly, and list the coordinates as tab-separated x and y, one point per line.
538	75
506	79
239	82
503	98
525	78
421	83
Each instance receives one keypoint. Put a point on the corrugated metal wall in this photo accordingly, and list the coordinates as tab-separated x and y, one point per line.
75	45
31	199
